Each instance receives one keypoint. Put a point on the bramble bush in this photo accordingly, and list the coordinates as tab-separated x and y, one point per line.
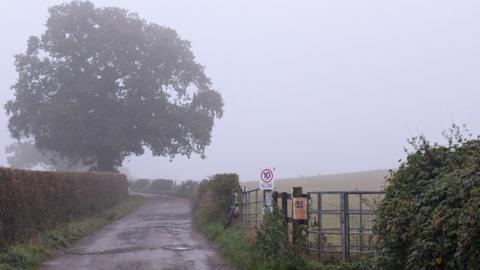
430	218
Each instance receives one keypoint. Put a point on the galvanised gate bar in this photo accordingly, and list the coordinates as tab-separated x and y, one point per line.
251	202
341	223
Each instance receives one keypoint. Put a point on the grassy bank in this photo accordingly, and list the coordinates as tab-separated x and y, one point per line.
31	254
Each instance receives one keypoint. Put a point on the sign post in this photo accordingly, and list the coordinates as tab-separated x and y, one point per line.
267	184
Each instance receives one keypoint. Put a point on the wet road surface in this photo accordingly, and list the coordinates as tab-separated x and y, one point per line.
159	235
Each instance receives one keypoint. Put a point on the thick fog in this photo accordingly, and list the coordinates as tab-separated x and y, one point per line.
310	87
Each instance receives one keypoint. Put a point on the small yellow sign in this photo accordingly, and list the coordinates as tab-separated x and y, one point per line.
300	206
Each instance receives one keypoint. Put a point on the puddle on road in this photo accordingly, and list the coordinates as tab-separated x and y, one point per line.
178	248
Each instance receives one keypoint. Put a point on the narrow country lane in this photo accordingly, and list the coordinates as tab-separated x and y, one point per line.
159	235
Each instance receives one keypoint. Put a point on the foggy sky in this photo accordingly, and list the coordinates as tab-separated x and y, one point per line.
310	86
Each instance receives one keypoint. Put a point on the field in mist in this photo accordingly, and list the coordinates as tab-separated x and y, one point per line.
365	180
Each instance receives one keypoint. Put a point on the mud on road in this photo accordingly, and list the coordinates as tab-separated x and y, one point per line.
159	235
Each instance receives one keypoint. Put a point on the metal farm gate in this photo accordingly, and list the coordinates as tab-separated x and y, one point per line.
251	206
339	223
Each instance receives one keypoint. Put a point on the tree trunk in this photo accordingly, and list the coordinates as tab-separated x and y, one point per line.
105	162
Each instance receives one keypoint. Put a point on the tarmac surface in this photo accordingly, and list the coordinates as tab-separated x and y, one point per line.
159	235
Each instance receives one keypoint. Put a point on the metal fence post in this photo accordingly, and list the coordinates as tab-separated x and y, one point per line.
319	223
256	208
248	209
345	226
244	201
360	229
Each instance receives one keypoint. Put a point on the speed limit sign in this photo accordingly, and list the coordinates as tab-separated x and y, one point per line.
266	180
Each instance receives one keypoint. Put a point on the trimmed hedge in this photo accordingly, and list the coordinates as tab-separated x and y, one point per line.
33	201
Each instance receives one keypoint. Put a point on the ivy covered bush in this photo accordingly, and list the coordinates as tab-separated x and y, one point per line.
430	217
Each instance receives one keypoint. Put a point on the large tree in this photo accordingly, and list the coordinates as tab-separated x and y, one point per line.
101	84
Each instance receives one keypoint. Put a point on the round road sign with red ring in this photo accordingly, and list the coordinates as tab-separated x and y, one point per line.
266	176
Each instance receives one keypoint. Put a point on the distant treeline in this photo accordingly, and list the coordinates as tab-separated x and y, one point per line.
159	186
34	201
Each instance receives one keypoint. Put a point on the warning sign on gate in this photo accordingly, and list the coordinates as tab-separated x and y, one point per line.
300	206
266	180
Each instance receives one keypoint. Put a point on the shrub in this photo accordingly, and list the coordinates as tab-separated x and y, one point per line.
273	248
215	196
429	218
33	201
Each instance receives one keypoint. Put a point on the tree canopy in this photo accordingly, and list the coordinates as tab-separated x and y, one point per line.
101	84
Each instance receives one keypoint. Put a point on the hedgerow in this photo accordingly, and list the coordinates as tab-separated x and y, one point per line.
430	217
34	201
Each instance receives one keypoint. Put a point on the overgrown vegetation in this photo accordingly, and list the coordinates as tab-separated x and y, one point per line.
34	201
233	242
430	216
214	198
273	247
30	254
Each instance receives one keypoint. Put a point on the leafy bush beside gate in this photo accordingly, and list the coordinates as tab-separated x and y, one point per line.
430	216
214	197
34	201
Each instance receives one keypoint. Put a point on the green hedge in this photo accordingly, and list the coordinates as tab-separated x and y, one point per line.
34	201
215	196
430	216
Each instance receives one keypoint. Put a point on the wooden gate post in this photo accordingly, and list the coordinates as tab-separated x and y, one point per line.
298	223
275	199
285	205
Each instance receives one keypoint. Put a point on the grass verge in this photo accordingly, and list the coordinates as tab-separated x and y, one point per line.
29	256
233	243
241	252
